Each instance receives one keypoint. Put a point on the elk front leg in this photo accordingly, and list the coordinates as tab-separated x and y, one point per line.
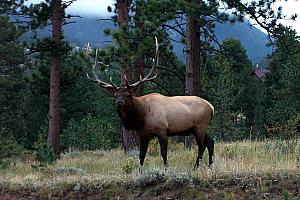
163	141
144	142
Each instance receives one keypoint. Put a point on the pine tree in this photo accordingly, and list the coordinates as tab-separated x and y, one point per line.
282	81
54	112
41	14
243	83
12	86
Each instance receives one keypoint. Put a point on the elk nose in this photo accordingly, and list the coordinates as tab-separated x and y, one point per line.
119	103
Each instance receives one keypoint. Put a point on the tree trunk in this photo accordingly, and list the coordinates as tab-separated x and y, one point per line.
192	76
122	13
130	139
54	111
139	63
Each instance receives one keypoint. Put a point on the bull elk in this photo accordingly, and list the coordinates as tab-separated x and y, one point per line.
155	115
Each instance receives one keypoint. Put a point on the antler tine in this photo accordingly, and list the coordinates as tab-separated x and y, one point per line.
101	63
126	81
153	69
110	80
95	78
152	74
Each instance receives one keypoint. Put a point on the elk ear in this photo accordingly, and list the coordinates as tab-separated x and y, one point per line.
111	90
134	90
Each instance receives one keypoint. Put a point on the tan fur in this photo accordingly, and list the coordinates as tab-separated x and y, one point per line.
168	116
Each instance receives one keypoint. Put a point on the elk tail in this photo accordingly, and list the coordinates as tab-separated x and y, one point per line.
212	109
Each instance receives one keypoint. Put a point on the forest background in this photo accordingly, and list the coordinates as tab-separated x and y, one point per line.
251	101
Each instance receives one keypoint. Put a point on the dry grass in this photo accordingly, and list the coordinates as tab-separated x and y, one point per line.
231	159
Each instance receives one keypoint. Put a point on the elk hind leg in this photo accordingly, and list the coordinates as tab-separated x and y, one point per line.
210	147
200	140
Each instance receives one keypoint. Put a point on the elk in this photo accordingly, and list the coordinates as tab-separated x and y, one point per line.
156	115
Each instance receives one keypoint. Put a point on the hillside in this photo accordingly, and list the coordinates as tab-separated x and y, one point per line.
90	29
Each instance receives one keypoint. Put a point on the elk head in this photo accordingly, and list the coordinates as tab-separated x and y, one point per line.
124	94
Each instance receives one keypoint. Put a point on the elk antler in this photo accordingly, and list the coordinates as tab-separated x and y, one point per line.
96	78
152	74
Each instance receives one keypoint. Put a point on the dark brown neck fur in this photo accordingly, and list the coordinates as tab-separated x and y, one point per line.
132	116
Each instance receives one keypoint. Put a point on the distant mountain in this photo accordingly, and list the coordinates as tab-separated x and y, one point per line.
253	39
91	30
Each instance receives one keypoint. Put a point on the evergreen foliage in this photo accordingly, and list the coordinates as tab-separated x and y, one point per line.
132	43
79	98
229	86
283	86
44	153
244	104
12	84
90	133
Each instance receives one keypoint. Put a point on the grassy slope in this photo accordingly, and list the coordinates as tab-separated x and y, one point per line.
241	170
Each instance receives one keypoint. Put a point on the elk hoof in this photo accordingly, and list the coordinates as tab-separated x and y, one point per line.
141	169
196	167
166	167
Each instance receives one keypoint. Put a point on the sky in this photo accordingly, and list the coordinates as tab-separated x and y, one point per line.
91	7
289	8
99	8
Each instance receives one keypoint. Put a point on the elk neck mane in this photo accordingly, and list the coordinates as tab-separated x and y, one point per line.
132	116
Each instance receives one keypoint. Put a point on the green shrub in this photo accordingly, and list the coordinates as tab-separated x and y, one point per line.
288	131
129	165
44	153
287	196
5	163
90	133
8	147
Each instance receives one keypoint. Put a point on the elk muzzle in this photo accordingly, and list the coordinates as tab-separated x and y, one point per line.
120	102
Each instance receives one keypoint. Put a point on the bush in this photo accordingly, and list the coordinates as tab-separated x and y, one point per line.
128	165
5	163
288	131
90	133
44	153
8	147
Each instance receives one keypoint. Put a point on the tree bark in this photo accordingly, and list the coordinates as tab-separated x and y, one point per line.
54	111
192	76
130	139
139	63
122	12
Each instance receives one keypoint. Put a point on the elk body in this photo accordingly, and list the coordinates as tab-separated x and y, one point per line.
155	115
